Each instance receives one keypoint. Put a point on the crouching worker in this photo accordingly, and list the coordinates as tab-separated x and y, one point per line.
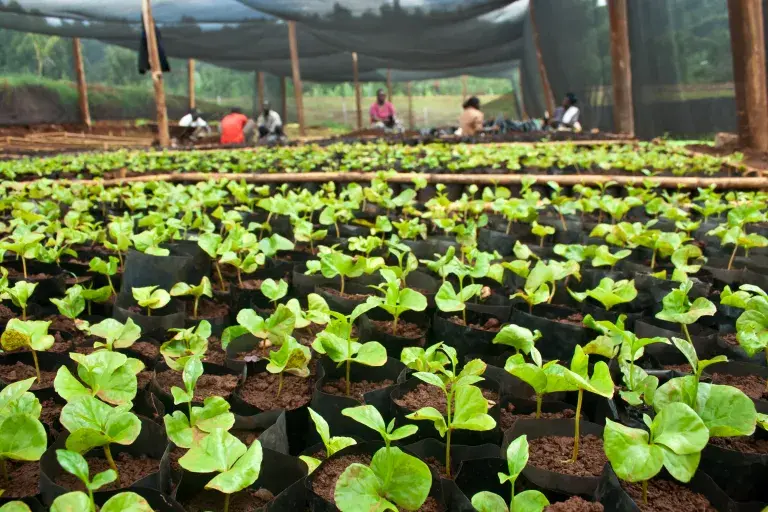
269	123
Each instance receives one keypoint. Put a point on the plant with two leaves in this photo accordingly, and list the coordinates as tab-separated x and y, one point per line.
106	268
725	410
541	231
394	481
196	292
236	465
25	244
271	331
151	297
536	289
465	406
517	337
72	304
22	435
274	291
19	294
74	463
526	501
332	444
116	335
317	311
603	257
674	441
333	263
31	335
733	232
149	242
752	324
543	377
449	301
304	231
292	357
211	244
396	300
109	376
337	343
247	262
431	359
677	308
185	344
609	293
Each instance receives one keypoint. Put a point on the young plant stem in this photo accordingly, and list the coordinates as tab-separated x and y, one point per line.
221	278
687	334
24	313
89	307
653	260
280	383
509	226
539	399
336	225
730	261
349	365
194	308
464	315
341	289
120	257
394	326
149	311
512	495
576	432
448	434
24	266
37	365
541	242
111	286
562	220
226	503
645	492
110	460
239	278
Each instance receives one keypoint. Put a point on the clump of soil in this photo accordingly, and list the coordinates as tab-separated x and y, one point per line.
730	339
246	436
260	390
666	496
324	478
425	395
682	368
251	284
356	389
131	469
404	329
207	386
61	323
752	385
247	500
51	413
306	335
743	444
24	479
575	504
256	353
10	373
143	378
553	453
348	296
508	417
574	319
215	354
206	309
490	325
146	349
6	313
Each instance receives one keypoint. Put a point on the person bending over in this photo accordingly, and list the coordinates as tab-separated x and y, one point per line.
235	127
566	116
471	119
269	122
195	125
382	113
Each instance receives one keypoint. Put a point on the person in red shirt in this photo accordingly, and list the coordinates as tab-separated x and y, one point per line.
383	112
234	127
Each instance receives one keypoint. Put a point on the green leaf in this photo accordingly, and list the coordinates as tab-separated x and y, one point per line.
688	351
529	501
471	410
631	456
372	353
22	437
126	502
311	463
215	453
517	337
517	456
242	474
726	410
102	479
433	415
679	428
527	372
74	463
431	379
274	291
116	334
29	333
681	467
367	415
485	501
405	480
71	502
358	488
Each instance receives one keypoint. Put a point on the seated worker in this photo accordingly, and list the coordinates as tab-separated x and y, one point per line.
269	122
566	116
382	113
234	127
195	124
471	119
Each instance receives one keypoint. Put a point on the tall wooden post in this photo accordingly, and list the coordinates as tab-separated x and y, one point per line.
389	84
157	74
283	100
747	33
549	98
297	88
260	89
623	110
191	80
464	92
358	97
410	107
82	86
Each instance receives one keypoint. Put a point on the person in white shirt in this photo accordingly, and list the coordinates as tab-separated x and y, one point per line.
195	123
566	117
269	122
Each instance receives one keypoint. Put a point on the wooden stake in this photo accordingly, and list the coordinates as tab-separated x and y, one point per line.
549	98
464	87
358	95
283	100
747	46
260	89
297	88
191	85
410	108
623	110
157	74
389	84
82	86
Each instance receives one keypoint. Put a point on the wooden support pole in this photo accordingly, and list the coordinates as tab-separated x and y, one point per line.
283	100
410	107
747	45
464	92
389	84
358	95
260	89
623	110
82	86
297	88
549	98
191	85
157	74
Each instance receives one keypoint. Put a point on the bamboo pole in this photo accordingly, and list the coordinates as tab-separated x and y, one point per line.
389	84
623	109
191	82
549	98
410	107
157	74
82	86
260	89
283	100
748	48
358	96
297	88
